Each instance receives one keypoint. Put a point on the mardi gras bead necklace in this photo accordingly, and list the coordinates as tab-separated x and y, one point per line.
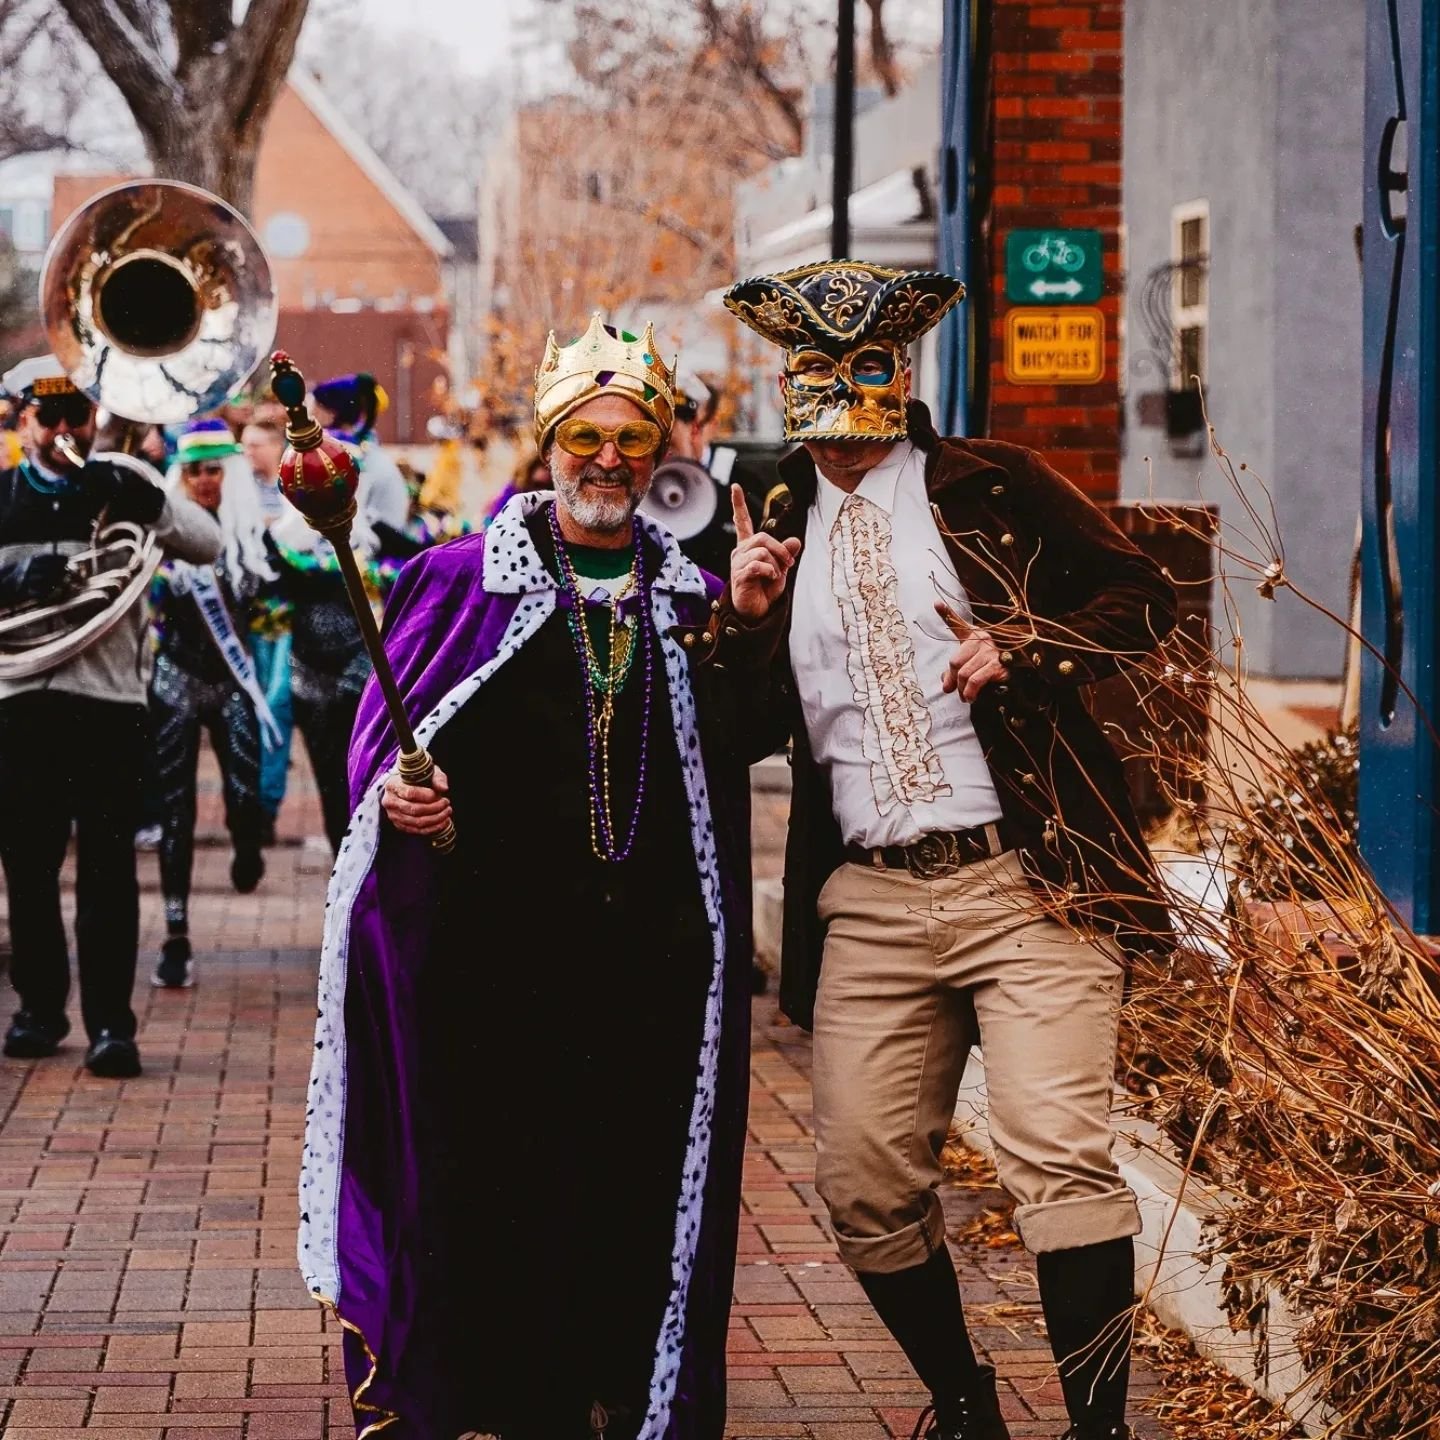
601	685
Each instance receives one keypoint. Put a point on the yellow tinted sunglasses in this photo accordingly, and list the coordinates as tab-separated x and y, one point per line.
635	439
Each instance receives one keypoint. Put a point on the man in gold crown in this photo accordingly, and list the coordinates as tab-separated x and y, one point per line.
521	1171
963	856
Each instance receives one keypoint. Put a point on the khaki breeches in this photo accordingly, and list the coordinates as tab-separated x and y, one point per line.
915	973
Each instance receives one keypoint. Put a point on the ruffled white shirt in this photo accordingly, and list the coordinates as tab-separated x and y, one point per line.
869	652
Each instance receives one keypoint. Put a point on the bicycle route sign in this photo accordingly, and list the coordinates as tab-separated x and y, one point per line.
1054	347
1053	267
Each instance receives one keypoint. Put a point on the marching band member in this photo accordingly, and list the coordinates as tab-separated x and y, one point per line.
73	737
264	442
204	679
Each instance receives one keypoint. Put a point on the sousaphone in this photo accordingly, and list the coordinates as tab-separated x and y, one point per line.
157	299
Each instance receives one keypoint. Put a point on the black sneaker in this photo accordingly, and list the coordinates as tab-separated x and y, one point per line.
34	1037
246	870
112	1057
174	972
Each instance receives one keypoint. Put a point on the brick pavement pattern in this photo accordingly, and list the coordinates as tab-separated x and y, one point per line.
148	1286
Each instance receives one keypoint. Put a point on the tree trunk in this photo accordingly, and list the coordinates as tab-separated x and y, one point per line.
202	119
202	147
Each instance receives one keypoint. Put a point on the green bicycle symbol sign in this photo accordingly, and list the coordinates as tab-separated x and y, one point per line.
1053	267
1052	249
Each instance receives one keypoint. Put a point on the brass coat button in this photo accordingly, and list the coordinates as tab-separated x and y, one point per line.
997	489
1066	667
1007	539
1007	657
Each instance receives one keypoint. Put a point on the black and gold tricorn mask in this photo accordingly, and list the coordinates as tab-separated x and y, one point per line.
845	327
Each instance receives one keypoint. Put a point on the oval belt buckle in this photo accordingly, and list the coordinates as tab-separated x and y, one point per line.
926	858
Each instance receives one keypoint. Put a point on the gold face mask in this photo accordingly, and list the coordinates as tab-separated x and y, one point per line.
858	395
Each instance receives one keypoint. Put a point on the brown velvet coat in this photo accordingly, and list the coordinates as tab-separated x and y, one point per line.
1038	560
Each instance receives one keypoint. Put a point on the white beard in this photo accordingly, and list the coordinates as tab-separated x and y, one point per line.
605	513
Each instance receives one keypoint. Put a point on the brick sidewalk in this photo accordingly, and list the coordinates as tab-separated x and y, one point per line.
147	1278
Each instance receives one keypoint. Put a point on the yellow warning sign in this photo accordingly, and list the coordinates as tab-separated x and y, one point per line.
1054	347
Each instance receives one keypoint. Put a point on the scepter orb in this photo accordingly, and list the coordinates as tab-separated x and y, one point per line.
319	474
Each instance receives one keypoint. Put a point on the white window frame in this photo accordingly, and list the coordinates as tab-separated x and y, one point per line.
1189	317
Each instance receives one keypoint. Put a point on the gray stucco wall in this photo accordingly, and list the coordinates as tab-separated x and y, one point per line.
1255	107
1317	380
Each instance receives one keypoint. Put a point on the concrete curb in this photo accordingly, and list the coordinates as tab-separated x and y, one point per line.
1182	1290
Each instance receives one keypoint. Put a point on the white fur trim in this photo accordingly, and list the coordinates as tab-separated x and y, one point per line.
670	1345
513	565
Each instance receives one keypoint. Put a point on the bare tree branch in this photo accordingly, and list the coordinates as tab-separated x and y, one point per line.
130	59
201	27
260	52
882	53
19	137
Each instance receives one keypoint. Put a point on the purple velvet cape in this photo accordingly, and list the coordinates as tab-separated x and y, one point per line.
457	612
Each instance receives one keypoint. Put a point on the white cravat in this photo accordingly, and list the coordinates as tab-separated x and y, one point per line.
869	651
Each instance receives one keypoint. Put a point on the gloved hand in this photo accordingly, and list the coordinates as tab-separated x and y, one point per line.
129	495
36	577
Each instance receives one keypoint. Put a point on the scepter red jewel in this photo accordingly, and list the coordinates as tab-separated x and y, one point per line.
319	477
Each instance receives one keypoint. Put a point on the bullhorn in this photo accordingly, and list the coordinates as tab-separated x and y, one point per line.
158	301
683	498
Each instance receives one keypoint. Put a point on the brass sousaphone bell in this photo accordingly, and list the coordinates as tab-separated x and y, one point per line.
158	301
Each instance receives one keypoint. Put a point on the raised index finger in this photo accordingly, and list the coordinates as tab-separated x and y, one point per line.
744	526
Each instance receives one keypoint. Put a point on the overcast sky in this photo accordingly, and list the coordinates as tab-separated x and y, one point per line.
479	31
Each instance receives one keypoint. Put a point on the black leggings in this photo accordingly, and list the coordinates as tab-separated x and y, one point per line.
326	725
180	707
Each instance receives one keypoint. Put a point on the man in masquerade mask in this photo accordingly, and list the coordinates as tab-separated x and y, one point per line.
963	855
598	791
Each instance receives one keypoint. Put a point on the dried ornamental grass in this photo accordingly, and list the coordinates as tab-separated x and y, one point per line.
1289	1045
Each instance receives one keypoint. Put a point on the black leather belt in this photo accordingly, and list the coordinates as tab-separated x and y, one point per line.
942	852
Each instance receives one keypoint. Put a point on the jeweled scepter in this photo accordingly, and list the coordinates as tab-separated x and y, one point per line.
318	476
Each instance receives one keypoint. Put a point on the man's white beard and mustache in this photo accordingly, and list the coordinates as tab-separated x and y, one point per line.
604	510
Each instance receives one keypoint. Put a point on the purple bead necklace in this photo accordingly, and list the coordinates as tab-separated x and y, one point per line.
600	691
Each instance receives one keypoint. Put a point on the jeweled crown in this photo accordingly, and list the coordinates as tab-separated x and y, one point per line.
604	360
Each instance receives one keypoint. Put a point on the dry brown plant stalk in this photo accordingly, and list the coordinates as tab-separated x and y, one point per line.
1287	1043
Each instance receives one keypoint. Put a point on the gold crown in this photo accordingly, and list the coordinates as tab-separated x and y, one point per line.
603	361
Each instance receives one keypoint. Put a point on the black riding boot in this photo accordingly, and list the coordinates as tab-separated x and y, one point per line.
921	1309
1087	1294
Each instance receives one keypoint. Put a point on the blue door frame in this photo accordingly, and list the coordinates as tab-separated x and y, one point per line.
1400	758
954	223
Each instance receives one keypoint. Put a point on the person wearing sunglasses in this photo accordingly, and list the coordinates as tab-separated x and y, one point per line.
601	806
204	680
964	862
73	738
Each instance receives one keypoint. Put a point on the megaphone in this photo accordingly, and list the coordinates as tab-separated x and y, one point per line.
683	498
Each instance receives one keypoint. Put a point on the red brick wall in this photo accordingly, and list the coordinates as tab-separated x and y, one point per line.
404	351
1056	162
